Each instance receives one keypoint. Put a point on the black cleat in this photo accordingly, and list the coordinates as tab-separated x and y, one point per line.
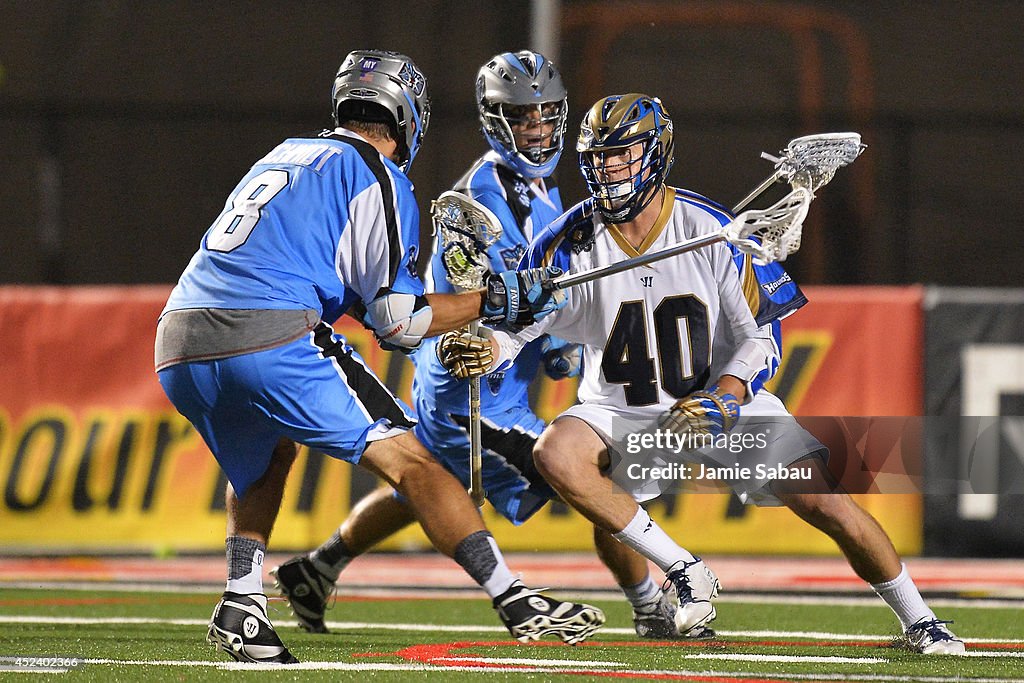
528	615
307	591
241	628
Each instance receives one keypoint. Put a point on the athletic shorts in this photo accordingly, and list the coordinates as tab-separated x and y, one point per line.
514	486
315	391
766	439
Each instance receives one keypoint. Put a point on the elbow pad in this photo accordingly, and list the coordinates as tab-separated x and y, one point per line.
399	319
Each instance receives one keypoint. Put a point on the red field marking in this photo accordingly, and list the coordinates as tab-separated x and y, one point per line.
441	654
433	653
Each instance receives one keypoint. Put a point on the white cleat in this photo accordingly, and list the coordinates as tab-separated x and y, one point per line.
658	621
696	586
931	637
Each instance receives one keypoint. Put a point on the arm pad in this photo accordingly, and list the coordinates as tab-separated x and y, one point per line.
753	356
399	319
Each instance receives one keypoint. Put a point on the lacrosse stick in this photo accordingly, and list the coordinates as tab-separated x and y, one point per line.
809	161
466	229
770	234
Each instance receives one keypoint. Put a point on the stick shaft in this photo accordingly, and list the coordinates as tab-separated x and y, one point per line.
583	276
757	192
476	484
696	243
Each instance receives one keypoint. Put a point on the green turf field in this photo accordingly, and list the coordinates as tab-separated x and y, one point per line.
157	636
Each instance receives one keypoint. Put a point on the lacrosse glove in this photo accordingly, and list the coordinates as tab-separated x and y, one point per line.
465	355
521	297
702	413
561	359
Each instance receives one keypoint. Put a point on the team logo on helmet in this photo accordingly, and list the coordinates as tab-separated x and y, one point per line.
411	76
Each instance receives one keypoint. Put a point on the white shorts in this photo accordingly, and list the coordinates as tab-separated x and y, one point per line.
749	458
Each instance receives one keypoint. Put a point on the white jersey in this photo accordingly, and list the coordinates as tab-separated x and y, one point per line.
648	332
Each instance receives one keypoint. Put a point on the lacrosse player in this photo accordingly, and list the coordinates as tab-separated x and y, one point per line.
522	109
245	351
682	345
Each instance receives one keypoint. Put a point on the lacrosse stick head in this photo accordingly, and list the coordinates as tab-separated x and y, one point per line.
774	233
811	161
466	229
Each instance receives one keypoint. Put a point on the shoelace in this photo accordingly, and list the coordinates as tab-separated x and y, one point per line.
933	627
673	575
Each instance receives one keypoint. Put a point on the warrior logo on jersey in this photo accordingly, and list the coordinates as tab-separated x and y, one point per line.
494	381
512	256
411	76
411	264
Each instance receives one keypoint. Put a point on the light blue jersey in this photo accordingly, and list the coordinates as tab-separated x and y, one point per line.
514	487
320	223
304	229
524	210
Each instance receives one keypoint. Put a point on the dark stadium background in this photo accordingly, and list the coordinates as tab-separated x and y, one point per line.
124	125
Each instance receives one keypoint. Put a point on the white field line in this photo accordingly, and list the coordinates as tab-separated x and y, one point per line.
462	593
805	659
458	628
581	668
528	662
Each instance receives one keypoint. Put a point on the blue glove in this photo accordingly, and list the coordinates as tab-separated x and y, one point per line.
522	297
561	359
704	413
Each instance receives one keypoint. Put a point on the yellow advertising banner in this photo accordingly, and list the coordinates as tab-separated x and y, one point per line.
94	457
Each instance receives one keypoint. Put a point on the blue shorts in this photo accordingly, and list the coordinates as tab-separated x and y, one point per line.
514	486
315	391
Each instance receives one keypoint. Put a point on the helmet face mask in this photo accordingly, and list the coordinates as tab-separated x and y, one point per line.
625	152
382	86
522	106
